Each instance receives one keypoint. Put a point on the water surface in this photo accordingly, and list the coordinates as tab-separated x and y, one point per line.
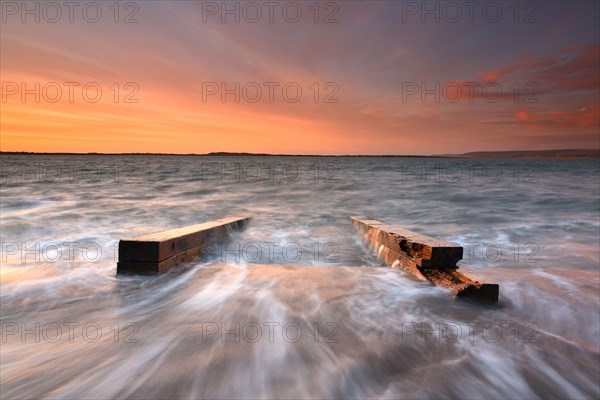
297	306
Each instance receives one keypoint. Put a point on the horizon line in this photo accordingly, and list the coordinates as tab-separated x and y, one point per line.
548	152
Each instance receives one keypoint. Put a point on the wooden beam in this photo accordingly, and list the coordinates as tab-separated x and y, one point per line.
464	284
425	258
426	251
161	251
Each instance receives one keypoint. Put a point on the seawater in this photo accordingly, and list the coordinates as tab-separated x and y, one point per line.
297	306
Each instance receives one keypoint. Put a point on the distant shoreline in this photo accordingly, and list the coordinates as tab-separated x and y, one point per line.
560	153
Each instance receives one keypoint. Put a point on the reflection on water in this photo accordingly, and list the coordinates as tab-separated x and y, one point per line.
324	319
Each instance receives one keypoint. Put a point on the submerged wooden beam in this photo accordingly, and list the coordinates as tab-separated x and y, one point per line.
426	251
161	251
424	257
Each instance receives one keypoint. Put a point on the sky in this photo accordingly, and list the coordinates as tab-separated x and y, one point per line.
304	77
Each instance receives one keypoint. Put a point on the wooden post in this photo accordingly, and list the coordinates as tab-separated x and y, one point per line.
424	257
161	251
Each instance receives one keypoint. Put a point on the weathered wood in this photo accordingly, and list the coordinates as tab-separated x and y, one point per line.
400	248
399	260
161	251
464	284
153	267
426	251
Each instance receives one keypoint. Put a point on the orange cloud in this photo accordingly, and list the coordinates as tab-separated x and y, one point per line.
574	68
493	75
583	118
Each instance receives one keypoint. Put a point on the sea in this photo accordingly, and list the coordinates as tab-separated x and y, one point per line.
297	305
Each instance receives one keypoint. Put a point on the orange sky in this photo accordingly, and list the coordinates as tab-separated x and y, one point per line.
367	61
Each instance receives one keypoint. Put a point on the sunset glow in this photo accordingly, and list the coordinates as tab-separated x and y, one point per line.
377	81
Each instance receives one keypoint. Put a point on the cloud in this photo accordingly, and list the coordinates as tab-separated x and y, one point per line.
369	54
584	117
572	68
